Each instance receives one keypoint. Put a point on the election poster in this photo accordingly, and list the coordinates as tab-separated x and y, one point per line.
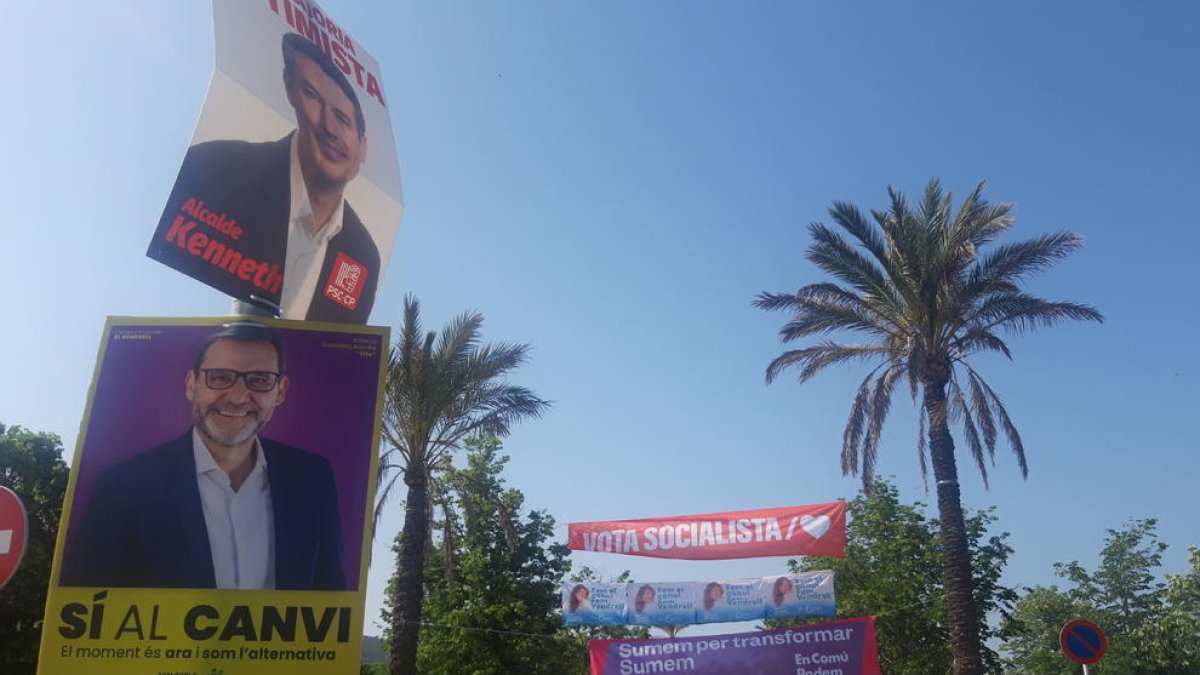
278	201
816	529
593	604
808	594
845	647
217	515
731	600
661	603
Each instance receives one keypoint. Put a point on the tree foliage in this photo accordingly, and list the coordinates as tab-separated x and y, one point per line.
492	602
31	465
1031	632
1151	624
441	389
891	571
916	284
492	582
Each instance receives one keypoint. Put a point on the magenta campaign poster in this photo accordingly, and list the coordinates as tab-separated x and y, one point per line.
845	647
140	405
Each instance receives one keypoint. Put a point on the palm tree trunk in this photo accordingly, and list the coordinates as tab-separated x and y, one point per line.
410	575
961	614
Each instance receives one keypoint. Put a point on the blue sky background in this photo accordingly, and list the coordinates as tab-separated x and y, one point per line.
614	182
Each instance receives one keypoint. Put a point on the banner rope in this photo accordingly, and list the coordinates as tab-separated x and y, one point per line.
497	631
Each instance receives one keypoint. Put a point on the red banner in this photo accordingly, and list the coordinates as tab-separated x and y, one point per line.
816	529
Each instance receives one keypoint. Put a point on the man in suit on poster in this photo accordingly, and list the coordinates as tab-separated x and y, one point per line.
220	506
268	222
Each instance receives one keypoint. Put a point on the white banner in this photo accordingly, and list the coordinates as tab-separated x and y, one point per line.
687	602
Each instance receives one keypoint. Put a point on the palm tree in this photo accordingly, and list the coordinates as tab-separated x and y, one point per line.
440	390
673	630
920	289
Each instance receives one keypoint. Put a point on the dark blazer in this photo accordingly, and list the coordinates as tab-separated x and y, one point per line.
144	527
250	183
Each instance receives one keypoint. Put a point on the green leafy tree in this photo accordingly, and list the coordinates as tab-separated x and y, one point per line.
441	389
1173	637
924	295
1150	624
492	582
891	570
1124	587
31	465
1031	631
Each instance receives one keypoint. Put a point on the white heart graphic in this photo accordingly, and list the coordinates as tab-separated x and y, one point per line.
816	527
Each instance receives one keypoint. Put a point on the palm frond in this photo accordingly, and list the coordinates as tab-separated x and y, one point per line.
382	497
1008	263
969	430
983	414
979	339
820	308
812	360
1010	429
851	219
835	255
979	221
774	301
877	411
818	317
1024	313
852	436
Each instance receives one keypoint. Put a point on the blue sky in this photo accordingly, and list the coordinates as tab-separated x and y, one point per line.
614	182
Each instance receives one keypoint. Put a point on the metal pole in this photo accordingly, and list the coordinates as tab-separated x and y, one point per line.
258	307
1085	670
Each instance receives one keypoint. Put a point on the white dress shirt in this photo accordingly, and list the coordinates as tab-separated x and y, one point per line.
306	245
241	524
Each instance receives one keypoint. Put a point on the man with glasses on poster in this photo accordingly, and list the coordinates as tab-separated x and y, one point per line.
220	506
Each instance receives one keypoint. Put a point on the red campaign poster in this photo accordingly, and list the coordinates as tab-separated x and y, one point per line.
816	529
278	201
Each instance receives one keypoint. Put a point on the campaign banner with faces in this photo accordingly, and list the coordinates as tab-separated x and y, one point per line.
809	594
217	516
731	600
593	604
816	529
278	201
662	603
845	647
690	602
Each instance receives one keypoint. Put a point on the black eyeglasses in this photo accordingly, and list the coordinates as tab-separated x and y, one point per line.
256	380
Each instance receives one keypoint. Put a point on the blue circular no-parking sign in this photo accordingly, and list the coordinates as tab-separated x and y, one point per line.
1083	641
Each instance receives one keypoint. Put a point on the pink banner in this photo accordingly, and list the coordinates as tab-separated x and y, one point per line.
816	529
845	647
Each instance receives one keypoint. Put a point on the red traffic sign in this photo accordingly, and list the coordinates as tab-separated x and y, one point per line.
1083	641
14	532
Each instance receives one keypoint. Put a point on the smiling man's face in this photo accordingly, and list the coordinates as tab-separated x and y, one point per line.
232	417
330	144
